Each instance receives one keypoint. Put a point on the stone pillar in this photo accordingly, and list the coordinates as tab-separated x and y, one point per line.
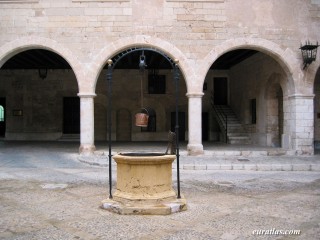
302	131
86	123
195	146
287	123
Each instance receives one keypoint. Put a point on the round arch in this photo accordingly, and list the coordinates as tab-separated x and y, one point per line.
312	73
286	58
138	41
10	49
316	110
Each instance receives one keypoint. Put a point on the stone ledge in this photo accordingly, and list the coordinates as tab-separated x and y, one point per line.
102	161
164	208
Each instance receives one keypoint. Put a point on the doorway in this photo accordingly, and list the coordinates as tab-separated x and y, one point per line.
71	115
2	117
205	126
220	90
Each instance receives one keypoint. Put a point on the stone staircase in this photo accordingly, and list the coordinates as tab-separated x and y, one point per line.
232	130
70	137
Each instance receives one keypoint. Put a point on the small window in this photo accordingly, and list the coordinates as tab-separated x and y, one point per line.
156	84
151	125
1	114
253	104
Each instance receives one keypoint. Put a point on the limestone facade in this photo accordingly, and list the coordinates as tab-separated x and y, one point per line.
86	33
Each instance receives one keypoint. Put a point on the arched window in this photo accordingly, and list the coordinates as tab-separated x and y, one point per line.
152	121
1	114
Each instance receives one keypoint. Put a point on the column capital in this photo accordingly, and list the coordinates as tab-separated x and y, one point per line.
301	96
87	95
195	95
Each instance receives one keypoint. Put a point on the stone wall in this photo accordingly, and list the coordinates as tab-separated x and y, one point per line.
259	77
87	33
126	92
39	100
192	26
317	110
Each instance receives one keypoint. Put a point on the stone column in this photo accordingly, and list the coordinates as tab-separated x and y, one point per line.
302	131
195	146
86	123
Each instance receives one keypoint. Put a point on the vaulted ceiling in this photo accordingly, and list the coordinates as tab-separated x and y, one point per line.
35	59
39	58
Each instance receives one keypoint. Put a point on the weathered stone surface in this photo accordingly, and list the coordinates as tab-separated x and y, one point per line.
87	33
144	186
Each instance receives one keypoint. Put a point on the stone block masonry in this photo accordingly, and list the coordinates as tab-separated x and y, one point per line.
86	33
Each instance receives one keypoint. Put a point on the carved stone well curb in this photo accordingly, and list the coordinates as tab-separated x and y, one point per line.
144	185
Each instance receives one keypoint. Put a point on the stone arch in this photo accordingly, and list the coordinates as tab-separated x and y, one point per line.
314	72
140	41
316	106
10	49
286	58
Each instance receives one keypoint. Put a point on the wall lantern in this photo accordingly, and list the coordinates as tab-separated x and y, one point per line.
309	53
43	73
142	62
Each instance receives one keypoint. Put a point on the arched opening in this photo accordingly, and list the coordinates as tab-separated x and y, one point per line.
317	113
240	110
2	118
40	90
129	85
152	121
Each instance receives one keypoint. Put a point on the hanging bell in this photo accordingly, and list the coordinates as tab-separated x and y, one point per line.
142	120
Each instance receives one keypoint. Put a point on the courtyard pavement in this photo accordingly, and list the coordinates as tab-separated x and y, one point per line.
216	156
46	192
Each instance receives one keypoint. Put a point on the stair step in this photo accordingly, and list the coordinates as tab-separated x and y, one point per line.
236	133
240	142
70	137
238	137
240	134
234	125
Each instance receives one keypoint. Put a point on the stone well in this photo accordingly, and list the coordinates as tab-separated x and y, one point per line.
144	185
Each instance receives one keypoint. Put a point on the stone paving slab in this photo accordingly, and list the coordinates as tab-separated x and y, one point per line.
215	157
267	163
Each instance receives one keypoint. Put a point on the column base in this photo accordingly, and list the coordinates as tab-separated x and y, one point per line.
195	149
86	149
305	151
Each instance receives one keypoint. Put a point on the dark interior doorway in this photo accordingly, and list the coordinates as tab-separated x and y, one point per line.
205	126
220	90
71	115
2	117
182	124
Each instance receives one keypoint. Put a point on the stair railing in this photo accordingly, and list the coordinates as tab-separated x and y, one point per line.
223	118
